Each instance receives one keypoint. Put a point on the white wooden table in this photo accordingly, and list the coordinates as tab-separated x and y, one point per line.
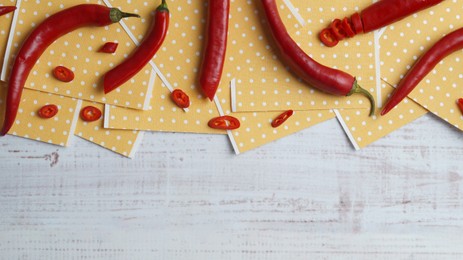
187	196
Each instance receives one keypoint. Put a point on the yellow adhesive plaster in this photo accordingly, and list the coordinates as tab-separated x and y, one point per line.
5	24
363	130
262	81
56	130
78	51
124	142
256	130
163	115
405	41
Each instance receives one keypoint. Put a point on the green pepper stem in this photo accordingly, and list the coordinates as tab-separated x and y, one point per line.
356	89
116	15
163	6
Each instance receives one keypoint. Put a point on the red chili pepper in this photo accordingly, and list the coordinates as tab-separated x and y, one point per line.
6	9
385	12
63	74
224	123
180	98
144	52
215	46
328	38
280	119
109	47
460	104
90	113
447	45
41	37
326	79
48	111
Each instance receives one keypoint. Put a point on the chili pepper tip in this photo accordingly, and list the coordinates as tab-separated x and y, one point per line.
356	89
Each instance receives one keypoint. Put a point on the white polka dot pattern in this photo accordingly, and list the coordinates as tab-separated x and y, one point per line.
404	42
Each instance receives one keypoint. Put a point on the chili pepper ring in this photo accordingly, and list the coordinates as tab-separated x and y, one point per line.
44	35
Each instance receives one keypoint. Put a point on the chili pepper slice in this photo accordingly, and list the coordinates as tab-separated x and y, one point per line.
357	23
180	98
109	47
224	123
6	9
63	74
346	25
90	113
280	119
326	37
338	30
48	111
42	36
460	104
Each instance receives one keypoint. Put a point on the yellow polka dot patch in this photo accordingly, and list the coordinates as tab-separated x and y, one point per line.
163	115
5	23
78	51
56	130
262	81
364	130
404	42
124	142
256	129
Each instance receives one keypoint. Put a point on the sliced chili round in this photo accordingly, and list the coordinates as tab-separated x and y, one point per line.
460	104
356	21
109	47
347	26
63	74
48	111
180	98
224	123
90	113
327	37
280	119
338	31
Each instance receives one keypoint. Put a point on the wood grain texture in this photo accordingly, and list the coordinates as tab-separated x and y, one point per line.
187	196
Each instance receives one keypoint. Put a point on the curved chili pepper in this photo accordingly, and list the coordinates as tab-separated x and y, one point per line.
6	9
215	46
329	80
41	37
447	45
144	52
224	123
385	12
281	118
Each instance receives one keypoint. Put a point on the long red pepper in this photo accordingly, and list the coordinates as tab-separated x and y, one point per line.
215	46
382	13
447	45
6	9
144	52
326	79
41	37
